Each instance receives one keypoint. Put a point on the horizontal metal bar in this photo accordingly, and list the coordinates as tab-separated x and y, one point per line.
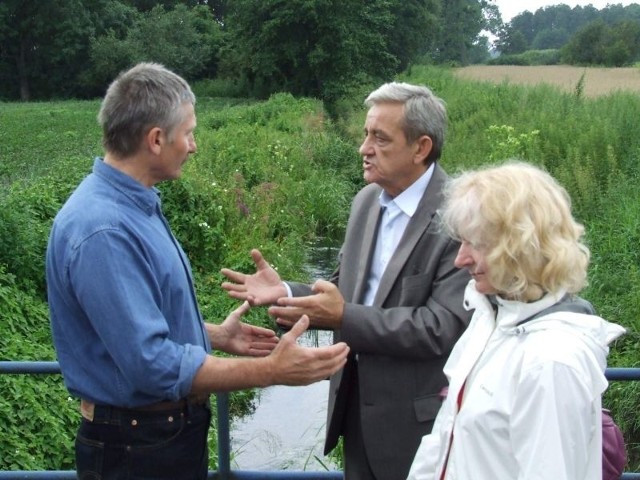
622	373
29	367
50	474
235	475
284	474
612	373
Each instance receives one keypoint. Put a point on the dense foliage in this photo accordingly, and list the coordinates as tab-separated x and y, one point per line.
276	174
317	48
268	175
580	35
73	48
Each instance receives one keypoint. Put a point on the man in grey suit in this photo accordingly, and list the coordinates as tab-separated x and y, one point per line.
395	298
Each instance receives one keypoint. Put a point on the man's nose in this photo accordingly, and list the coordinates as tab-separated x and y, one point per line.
365	148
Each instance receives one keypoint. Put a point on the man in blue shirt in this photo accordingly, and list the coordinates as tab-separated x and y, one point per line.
129	335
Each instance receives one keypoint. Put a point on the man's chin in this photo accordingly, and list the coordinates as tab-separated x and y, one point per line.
367	178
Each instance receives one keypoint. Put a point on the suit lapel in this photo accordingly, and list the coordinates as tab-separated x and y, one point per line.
369	235
417	225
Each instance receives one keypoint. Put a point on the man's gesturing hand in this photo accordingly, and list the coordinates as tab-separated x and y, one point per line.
293	364
263	287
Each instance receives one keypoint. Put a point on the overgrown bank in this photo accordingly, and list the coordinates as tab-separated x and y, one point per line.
268	175
275	174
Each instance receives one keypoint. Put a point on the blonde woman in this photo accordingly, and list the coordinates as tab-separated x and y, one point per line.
526	377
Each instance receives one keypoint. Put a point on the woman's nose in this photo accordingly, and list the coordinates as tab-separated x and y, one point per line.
463	258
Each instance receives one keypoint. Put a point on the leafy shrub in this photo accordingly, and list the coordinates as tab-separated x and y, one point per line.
530	57
218	88
33	410
276	174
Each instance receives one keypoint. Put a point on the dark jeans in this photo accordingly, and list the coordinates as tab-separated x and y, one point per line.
124	444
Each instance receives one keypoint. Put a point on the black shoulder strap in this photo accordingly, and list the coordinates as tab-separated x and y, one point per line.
568	303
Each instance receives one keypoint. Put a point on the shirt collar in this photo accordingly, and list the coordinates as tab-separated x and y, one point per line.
409	200
148	199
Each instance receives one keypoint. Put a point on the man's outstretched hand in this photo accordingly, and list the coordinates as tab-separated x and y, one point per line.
293	364
239	338
324	308
264	287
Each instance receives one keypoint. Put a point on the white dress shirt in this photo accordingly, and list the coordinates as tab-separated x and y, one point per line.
395	218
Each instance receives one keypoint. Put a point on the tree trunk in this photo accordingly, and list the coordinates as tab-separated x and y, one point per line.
25	94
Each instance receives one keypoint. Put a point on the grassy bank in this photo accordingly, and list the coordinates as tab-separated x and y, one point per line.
267	175
274	175
591	145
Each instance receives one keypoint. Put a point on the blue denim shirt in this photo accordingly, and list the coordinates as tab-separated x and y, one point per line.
124	315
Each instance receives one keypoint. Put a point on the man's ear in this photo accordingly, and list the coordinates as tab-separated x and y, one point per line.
154	140
424	145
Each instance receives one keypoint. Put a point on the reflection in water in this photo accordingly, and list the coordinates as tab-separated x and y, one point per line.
323	258
286	431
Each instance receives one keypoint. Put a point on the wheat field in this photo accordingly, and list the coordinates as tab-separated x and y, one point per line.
597	81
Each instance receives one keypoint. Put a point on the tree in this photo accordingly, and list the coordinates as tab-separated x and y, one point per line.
492	18
415	29
554	26
628	33
585	47
550	38
601	44
314	48
511	41
109	52
44	45
189	43
479	52
460	24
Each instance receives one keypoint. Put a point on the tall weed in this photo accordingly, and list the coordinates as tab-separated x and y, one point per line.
277	174
592	147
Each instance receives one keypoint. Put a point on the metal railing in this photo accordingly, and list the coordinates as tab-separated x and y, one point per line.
224	471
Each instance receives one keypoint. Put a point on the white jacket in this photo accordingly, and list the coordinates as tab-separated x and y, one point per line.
531	407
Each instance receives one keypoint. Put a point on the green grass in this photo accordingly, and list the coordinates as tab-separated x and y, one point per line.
592	147
276	174
267	174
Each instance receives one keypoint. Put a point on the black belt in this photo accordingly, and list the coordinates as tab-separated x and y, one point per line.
88	409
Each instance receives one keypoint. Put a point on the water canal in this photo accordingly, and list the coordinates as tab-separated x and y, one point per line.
286	430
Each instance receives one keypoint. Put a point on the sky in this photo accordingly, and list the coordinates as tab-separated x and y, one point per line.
510	8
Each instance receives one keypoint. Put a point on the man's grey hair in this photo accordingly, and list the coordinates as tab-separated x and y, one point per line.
424	113
143	97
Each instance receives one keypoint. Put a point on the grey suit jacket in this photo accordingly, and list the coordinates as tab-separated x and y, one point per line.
402	341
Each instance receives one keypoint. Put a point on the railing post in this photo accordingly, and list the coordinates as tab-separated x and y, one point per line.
224	441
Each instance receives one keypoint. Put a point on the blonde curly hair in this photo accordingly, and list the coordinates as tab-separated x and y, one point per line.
520	218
